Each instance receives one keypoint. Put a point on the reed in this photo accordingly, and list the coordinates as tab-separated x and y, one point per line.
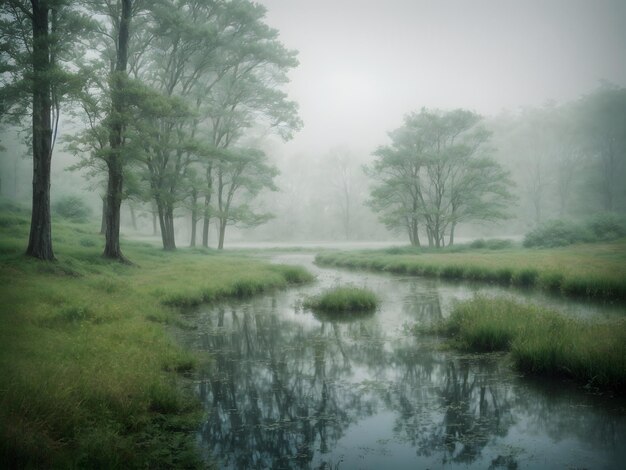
542	342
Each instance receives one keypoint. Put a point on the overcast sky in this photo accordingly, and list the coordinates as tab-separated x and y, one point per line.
366	63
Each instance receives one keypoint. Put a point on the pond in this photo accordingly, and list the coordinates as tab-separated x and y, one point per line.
288	389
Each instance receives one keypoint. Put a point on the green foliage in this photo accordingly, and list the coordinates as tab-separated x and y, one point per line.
491	244
541	341
437	174
607	226
600	227
345	299
72	208
556	233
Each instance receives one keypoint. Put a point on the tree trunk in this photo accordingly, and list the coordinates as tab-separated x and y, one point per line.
40	238
115	160
207	206
194	224
133	217
155	230
166	220
194	217
451	241
103	220
205	229
220	245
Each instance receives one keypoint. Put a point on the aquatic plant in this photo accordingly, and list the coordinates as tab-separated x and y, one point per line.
343	299
541	341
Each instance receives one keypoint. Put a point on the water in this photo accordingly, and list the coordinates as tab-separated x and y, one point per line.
288	389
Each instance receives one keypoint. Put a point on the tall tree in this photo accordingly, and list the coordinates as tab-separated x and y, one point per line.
115	158
34	40
436	174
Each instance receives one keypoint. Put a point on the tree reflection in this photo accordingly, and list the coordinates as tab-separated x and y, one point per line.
282	392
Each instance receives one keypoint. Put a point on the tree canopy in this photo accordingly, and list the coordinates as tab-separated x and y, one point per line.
436	173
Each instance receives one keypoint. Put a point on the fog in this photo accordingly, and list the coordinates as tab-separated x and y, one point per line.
363	65
362	68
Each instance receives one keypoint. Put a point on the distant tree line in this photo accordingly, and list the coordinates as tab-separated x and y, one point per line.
569	161
443	168
172	94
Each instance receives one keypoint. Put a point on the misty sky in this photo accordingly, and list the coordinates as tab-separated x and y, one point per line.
365	63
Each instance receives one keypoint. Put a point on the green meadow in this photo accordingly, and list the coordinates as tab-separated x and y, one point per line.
588	270
90	376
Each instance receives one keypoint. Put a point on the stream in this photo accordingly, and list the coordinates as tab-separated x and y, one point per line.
288	389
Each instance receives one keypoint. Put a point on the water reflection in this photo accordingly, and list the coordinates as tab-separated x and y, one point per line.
286	389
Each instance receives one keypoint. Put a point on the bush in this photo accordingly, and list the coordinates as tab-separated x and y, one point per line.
557	233
607	226
72	208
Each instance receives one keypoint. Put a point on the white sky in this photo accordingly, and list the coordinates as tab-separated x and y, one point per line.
366	63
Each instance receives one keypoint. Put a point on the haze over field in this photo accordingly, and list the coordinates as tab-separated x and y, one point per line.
362	67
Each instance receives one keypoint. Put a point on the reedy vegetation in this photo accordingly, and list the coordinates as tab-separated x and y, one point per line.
541	342
343	299
89	376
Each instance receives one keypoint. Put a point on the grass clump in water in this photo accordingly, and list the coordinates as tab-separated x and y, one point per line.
541	341
343	299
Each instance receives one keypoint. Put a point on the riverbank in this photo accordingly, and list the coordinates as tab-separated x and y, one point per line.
89	377
595	270
541	342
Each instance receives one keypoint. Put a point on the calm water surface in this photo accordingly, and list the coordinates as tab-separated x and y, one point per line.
288	389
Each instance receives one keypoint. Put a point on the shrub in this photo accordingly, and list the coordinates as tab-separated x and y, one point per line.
72	208
557	233
606	226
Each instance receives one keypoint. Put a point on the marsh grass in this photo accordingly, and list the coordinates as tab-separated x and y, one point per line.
595	270
343	300
541	342
89	377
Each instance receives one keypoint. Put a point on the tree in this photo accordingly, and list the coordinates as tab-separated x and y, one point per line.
35	40
240	175
603	118
253	65
114	157
436	174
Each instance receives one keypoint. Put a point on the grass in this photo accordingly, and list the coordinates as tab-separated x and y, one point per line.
89	377
342	300
588	270
542	342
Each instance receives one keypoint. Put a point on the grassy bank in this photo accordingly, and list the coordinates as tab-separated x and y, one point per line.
88	375
542	342
592	270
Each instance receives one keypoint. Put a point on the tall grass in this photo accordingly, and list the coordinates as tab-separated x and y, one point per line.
343	299
542	342
589	270
88	376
